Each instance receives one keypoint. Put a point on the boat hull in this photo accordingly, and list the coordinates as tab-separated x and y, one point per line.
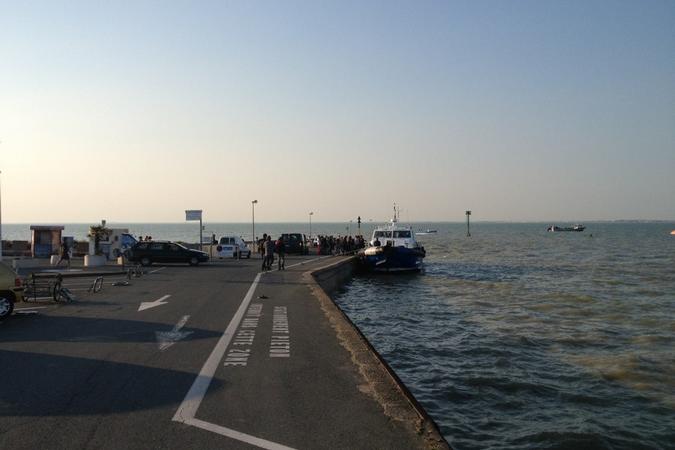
577	228
392	259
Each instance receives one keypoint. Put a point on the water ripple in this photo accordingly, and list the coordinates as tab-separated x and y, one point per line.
518	339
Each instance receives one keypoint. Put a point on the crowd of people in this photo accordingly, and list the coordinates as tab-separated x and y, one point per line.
323	245
339	245
267	248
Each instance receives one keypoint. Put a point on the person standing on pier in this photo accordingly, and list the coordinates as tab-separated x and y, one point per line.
269	254
261	247
281	252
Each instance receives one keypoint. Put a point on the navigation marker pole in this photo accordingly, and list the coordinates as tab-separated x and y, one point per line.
468	232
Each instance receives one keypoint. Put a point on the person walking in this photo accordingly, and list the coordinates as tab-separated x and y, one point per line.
65	255
281	253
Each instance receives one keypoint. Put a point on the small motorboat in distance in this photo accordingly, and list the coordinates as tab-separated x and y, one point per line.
393	248
576	227
420	233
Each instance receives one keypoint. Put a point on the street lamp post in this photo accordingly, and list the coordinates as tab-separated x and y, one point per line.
253	221
311	213
0	219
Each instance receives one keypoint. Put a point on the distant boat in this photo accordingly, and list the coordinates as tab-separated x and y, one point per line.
420	233
577	227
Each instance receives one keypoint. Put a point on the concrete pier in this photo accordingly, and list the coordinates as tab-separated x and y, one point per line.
216	356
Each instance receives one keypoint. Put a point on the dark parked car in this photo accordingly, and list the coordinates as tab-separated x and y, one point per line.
148	252
295	243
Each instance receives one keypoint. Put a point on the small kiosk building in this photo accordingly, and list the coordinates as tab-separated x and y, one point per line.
45	240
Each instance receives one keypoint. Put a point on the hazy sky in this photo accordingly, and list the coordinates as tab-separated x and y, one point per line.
518	110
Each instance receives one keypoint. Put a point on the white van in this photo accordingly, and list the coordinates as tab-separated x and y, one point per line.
229	246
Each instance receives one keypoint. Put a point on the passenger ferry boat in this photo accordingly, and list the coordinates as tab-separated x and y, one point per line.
393	248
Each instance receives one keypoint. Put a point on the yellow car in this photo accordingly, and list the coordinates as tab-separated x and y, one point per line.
11	290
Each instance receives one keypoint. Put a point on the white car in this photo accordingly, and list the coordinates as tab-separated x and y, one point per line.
231	247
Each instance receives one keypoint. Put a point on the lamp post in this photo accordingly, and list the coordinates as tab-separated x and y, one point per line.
0	219
311	213
253	221
468	232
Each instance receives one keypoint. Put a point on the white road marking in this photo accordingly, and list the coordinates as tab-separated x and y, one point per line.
157	270
158	302
88	283
166	339
304	262
262	443
30	309
187	410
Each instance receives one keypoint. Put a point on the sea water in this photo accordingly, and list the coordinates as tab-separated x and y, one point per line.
516	338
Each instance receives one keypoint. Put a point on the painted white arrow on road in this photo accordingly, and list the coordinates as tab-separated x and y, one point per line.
166	339
158	302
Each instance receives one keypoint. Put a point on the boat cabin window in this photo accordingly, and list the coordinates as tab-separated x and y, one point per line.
379	234
402	234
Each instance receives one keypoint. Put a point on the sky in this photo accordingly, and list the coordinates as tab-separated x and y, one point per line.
517	110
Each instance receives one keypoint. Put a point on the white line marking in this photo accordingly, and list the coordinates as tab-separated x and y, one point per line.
303	262
188	409
88	283
158	302
262	443
30	309
157	270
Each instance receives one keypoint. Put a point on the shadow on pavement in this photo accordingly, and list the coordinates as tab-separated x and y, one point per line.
83	329
37	385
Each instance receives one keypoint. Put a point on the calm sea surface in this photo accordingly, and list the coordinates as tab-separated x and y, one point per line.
516	338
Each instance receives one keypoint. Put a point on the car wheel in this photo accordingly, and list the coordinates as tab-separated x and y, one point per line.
6	306
193	261
145	261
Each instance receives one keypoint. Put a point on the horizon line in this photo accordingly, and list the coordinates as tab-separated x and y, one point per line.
345	222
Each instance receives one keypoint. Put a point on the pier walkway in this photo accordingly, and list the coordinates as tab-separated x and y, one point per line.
210	357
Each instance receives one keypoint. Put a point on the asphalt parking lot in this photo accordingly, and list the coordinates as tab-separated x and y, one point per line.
215	356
